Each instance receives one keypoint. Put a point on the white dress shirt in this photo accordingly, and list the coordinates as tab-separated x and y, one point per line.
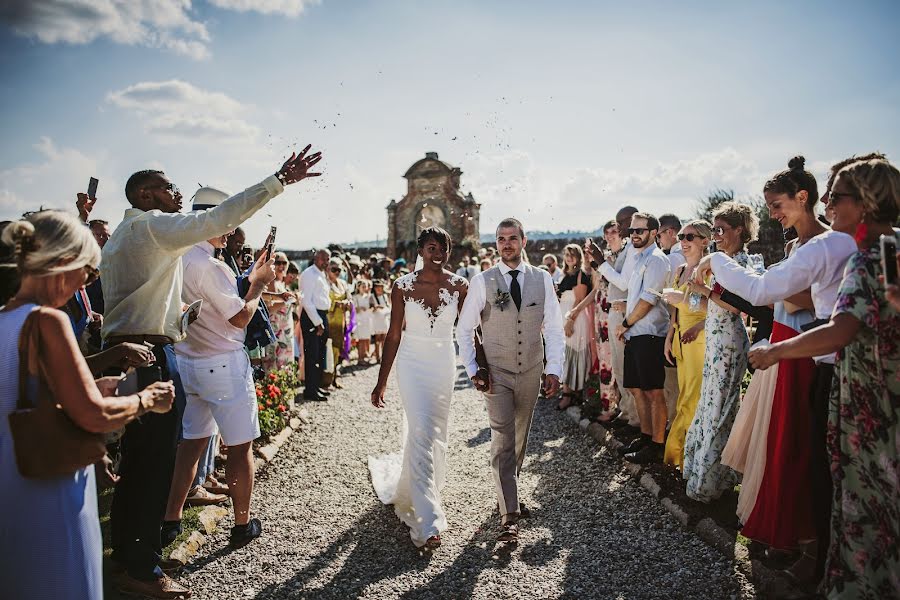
470	318
676	257
141	265
211	280
315	287
650	273
557	276
818	264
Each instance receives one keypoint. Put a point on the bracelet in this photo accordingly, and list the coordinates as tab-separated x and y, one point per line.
281	177
625	323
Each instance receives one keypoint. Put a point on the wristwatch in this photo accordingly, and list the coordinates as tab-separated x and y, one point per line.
281	177
626	324
717	289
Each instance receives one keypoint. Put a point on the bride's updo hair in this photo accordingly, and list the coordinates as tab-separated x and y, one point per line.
434	233
41	240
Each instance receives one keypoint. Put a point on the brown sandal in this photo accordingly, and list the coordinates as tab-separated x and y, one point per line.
509	533
433	543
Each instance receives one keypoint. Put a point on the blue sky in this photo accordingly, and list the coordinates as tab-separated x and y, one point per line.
556	113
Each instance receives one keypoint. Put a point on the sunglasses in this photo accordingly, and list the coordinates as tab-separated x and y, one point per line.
834	198
280	263
637	230
332	269
690	237
91	274
721	230
169	187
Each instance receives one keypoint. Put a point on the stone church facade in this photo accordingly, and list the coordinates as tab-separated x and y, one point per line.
432	198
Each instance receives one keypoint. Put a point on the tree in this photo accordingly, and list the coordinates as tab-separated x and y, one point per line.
771	237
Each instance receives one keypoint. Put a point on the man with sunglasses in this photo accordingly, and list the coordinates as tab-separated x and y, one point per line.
142	285
644	330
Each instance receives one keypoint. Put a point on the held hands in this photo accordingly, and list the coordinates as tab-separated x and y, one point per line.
263	272
297	166
482	380
378	396
620	332
551	386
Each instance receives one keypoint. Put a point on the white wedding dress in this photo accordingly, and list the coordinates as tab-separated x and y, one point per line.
412	479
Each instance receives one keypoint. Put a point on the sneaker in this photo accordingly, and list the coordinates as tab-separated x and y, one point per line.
165	587
198	496
651	453
241	535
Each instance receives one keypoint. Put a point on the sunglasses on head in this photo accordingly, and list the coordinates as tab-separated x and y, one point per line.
637	230
690	236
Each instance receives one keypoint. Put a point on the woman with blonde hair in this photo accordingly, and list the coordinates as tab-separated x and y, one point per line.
50	537
575	286
725	362
338	318
686	342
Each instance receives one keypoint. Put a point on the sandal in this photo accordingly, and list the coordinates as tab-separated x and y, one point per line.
433	543
509	533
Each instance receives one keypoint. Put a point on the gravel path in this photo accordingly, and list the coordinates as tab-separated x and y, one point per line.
594	533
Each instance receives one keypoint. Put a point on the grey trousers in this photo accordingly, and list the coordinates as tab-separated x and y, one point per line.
510	407
617	349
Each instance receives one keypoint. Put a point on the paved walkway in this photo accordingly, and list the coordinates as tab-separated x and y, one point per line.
594	532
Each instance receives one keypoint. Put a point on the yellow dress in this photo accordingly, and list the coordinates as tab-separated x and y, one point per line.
689	360
336	325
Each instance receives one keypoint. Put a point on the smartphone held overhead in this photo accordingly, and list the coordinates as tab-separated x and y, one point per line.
92	188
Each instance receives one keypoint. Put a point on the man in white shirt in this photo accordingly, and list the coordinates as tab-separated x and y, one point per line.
142	281
217	375
514	352
314	288
667	239
556	274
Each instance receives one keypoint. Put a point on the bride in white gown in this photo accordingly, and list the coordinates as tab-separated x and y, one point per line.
428	301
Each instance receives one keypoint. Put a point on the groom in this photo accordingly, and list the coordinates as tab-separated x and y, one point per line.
513	302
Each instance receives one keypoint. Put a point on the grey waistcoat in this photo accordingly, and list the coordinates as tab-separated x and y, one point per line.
512	338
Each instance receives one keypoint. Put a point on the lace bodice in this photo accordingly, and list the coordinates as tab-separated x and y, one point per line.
424	320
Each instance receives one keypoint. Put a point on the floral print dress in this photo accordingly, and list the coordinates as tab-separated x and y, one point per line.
282	318
725	363
609	389
864	441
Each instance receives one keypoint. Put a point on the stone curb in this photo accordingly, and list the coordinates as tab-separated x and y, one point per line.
766	581
212	515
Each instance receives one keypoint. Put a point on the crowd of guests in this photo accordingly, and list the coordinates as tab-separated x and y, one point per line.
669	317
171	302
781	378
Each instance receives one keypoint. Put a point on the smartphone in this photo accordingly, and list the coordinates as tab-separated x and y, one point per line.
92	188
271	245
148	375
889	259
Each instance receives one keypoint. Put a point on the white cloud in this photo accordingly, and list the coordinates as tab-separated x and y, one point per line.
153	23
55	178
290	8
177	111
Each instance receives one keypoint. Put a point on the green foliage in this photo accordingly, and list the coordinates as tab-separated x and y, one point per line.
771	237
274	395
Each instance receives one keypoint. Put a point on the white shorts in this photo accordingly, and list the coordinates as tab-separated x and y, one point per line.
219	391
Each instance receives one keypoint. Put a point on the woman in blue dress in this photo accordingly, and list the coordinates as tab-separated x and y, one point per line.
50	531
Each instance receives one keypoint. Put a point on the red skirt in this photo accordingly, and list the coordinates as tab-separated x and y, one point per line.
782	515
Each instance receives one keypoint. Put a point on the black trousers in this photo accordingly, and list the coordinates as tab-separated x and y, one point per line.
822	486
139	502
313	352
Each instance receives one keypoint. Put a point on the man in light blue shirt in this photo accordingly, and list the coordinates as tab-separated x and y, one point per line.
644	331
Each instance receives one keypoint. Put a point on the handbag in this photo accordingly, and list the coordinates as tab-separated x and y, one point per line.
47	443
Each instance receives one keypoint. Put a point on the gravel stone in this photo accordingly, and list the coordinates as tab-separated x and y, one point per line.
594	531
